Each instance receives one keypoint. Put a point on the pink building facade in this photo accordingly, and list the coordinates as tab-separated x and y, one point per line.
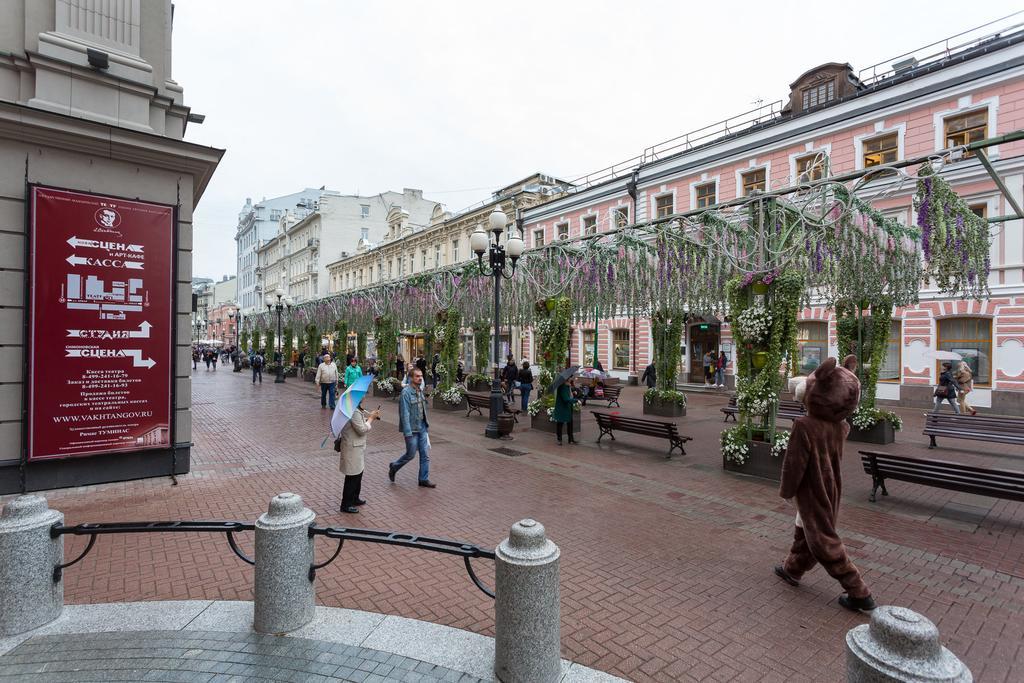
221	323
835	123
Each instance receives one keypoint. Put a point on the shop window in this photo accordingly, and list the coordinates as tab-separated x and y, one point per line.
705	195
620	349
812	345
972	339
754	180
890	370
883	149
663	206
588	347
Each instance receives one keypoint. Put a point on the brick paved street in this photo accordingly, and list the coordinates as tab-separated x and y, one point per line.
666	565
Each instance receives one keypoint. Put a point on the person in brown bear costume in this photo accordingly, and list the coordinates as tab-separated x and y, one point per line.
812	475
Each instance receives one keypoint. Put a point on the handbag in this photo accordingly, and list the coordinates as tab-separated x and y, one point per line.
941	391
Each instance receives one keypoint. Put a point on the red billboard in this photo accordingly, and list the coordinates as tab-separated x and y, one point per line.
101	284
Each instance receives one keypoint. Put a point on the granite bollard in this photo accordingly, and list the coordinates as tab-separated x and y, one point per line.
29	597
900	645
284	597
527	642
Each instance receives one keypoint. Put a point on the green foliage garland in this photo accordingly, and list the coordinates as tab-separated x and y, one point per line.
361	347
256	339
312	339
243	341
553	326
385	334
289	345
481	336
667	333
449	329
873	333
341	337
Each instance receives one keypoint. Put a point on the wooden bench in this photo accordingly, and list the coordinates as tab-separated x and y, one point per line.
1005	484
475	402
609	423
788	410
979	427
611	394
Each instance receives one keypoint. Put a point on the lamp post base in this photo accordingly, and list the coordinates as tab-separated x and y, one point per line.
497	407
280	377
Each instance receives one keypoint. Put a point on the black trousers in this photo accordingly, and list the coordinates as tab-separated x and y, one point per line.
350	491
568	428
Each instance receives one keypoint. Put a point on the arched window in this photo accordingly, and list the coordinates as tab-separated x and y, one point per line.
972	339
812	345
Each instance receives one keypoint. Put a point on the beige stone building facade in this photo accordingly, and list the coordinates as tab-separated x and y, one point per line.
88	103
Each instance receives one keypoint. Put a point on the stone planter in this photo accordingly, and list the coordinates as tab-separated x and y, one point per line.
380	393
881	433
291	371
441	404
542	423
760	462
664	408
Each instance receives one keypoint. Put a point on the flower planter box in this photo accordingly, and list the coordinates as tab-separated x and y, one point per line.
479	385
308	375
541	422
663	408
881	433
760	462
381	393
291	371
441	404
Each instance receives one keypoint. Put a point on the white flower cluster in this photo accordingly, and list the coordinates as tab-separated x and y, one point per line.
453	395
781	443
534	406
387	384
754	324
734	446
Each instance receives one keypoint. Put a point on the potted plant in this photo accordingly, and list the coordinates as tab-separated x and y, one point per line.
871	425
541	409
664	402
386	387
452	398
478	382
753	454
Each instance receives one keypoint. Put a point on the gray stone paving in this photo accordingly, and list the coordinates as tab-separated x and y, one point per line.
207	656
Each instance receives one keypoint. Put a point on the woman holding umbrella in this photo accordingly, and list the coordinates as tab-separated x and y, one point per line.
564	400
350	423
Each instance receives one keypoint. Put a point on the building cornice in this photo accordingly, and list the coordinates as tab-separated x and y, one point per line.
22	123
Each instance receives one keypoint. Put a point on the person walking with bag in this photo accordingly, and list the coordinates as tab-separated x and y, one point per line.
650	376
946	389
327	378
351	446
412	422
965	383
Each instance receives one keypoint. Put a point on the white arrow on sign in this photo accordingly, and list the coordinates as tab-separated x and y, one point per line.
105	263
135	354
77	260
98	244
137	359
75	242
143	331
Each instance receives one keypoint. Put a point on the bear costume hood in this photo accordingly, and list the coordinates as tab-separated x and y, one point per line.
832	391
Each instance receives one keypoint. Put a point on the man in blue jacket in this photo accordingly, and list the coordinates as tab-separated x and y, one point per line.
412	421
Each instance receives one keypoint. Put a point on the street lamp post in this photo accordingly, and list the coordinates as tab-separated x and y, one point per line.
481	243
279	305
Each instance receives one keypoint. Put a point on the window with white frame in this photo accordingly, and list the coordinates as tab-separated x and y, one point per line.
455	251
538	238
811	167
589	225
364	210
562	230
437	255
754	180
881	149
620	216
663	206
963	129
423	259
819	94
704	195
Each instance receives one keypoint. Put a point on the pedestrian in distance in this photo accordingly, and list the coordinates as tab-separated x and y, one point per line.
400	367
327	378
256	362
945	390
525	384
373	369
352	371
351	446
720	370
509	374
302	360
564	403
965	384
650	376
421	363
213	358
206	359
195	358
412	422
433	369
709	368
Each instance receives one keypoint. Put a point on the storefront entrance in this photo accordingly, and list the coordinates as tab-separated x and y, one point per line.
702	337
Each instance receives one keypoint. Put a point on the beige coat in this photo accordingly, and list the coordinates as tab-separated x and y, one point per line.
353	444
327	373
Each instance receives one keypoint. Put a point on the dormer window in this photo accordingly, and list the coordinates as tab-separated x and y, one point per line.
819	94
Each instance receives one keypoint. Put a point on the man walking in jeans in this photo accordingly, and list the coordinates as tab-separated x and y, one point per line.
412	421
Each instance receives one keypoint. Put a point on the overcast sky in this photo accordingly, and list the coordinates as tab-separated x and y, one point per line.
461	98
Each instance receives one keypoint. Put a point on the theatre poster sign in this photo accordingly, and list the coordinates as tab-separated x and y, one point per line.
100	324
